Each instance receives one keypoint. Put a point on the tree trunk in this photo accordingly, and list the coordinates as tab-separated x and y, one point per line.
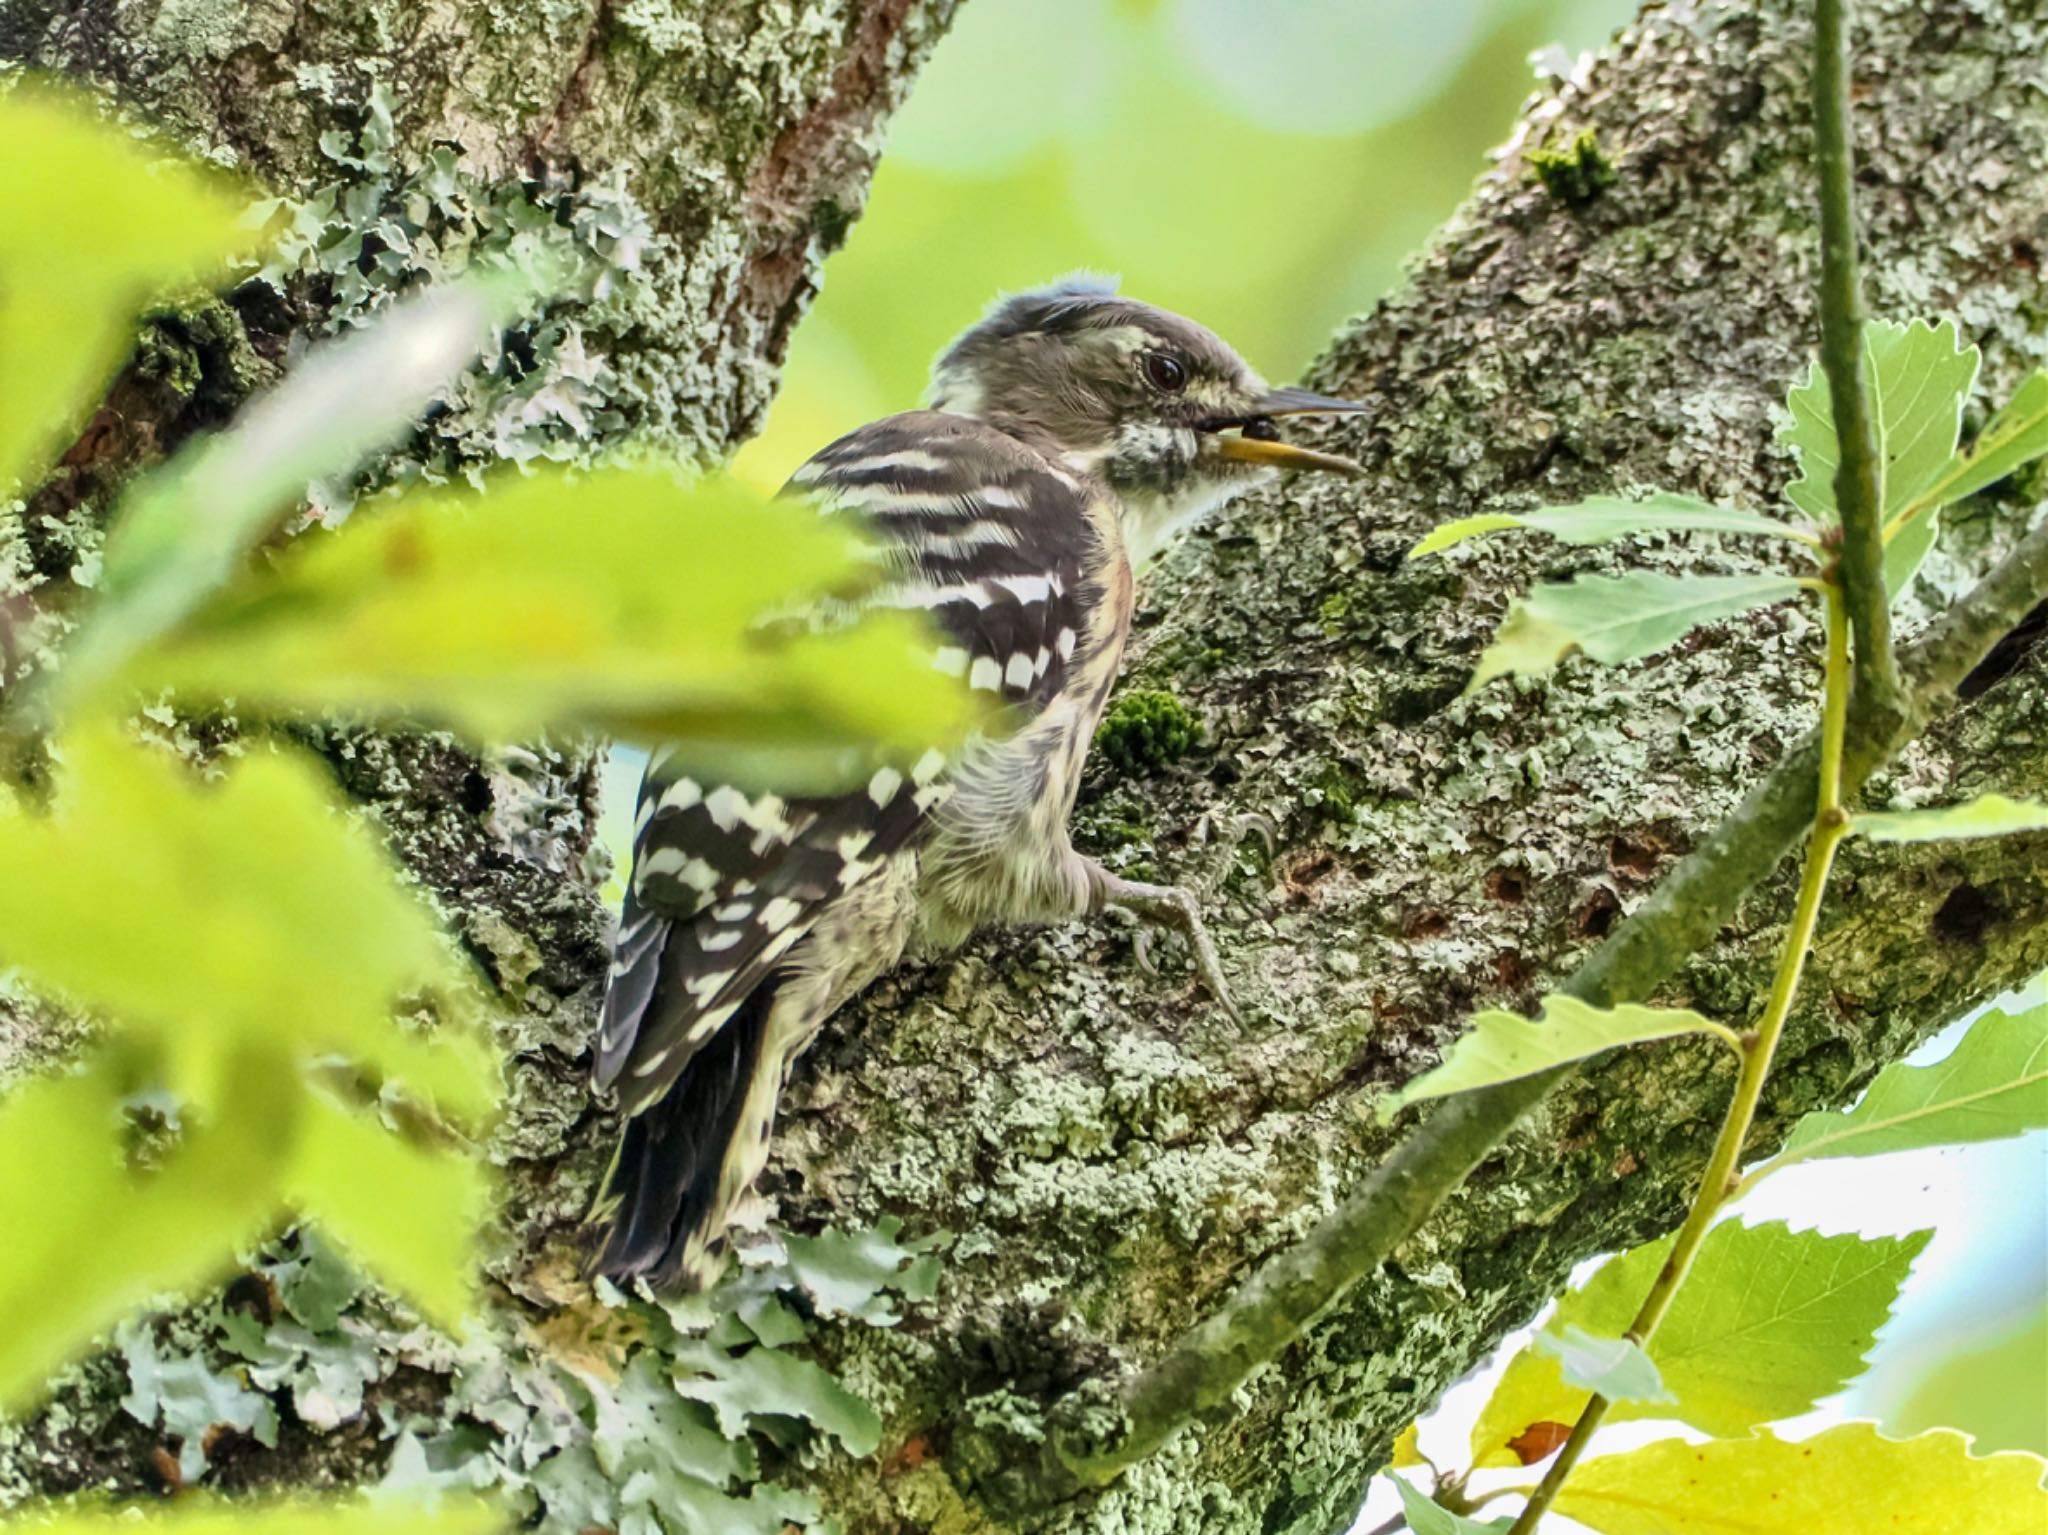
1106	1152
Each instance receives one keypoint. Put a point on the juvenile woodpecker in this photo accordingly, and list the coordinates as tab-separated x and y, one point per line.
1069	434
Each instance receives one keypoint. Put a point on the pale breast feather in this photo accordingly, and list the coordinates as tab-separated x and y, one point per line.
995	544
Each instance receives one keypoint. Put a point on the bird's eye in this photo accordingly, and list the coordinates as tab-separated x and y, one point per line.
1165	373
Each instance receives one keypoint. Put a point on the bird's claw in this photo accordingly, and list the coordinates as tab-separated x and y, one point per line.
1171	906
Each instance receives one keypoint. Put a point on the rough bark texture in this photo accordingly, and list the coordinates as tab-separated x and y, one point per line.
1107	1152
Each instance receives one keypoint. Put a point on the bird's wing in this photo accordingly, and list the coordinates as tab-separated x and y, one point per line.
995	543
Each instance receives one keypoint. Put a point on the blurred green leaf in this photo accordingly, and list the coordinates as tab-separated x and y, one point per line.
1601	519
1500	1046
1769	1321
407	1213
1988	815
90	1238
199	915
198	1514
1615	619
1847	1480
1617	1368
1994	1084
623	600
95	224
182	529
1918	375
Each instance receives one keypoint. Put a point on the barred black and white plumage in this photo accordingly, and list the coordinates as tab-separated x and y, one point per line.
1008	514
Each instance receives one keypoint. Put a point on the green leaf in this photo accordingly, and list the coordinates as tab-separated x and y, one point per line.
249	909
421	1245
1906	550
181	530
1427	1517
195	1513
1994	1084
623	600
91	1239
1918	375
1616	1368
1615	619
1848	1480
2013	438
95	224
765	1380
1989	815
1601	519
1500	1046
1769	1321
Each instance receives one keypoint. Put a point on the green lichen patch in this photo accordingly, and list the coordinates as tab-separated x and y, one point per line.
1577	173
1146	730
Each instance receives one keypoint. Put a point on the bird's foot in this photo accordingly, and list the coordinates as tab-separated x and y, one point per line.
1167	906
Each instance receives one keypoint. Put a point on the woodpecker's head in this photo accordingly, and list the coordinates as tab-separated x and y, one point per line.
1154	404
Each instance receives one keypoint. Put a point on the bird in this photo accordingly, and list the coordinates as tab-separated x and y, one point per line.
1067	436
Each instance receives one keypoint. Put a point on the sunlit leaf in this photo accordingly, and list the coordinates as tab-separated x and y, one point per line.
1769	1321
1616	1368
89	1238
2012	439
408	1214
1993	1085
623	600
1499	1046
1426	1517
195	1513
1989	815
95	224
1847	1480
197	913
1918	375
183	528
1408	1448
1601	519
1615	619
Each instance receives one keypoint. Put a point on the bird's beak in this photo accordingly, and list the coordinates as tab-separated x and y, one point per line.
1259	446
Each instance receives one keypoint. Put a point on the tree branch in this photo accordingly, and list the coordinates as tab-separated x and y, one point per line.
1286	1295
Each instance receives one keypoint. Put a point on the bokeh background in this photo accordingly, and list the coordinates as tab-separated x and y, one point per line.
1267	166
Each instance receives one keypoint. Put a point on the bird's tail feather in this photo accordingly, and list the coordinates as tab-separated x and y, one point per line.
687	1156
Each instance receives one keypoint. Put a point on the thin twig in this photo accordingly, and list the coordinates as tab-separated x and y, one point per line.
1859	472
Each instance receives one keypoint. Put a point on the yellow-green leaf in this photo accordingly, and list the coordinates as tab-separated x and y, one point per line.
1769	1321
1499	1046
1615	619
1988	815
1848	1480
95	224
623	600
1602	519
2013	438
1994	1084
1428	1517
89	1238
199	914
407	1213
199	1514
1408	1448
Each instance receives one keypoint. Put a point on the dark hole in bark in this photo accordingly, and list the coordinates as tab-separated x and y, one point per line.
1427	923
1965	915
1631	859
1511	969
2007	656
1596	918
1506	886
476	792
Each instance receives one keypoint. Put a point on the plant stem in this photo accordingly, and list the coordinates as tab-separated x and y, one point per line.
1830	825
1859	496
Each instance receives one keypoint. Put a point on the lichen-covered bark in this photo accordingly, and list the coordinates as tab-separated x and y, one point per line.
1108	1153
